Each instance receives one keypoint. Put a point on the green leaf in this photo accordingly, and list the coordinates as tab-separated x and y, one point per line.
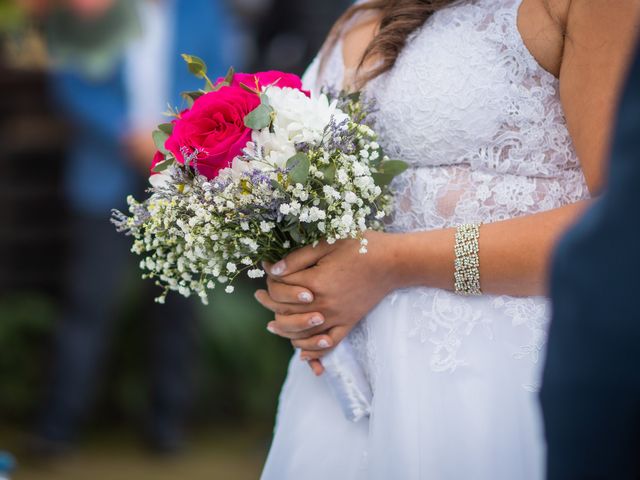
228	78
296	236
329	174
245	185
249	89
159	138
277	186
192	96
354	97
299	168
381	179
196	65
264	99
259	118
393	167
162	166
166	128
388	170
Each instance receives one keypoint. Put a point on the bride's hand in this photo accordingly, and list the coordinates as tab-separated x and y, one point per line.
319	294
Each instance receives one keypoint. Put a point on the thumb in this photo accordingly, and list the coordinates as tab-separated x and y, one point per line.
298	260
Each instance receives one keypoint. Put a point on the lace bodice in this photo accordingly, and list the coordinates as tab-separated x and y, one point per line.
476	117
481	124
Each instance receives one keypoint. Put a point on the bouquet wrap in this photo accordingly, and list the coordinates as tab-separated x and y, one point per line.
348	382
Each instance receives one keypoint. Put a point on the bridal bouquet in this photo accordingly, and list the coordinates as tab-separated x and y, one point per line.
255	168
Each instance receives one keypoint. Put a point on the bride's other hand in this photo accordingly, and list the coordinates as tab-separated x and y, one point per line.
319	294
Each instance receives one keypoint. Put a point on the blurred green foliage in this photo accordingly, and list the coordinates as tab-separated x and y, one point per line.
25	323
12	17
240	365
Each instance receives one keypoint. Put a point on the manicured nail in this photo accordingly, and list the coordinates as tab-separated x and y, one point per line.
304	359
315	321
278	268
323	343
271	328
305	297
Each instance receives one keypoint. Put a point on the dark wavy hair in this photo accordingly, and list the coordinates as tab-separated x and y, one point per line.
398	19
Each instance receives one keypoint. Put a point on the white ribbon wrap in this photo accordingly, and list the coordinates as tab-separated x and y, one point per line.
348	382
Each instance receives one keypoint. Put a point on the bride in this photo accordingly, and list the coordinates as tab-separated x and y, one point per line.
503	109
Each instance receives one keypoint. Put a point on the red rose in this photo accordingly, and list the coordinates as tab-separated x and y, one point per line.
157	158
213	130
264	79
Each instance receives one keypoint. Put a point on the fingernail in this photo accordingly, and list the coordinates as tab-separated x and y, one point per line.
271	329
304	359
315	321
278	268
323	343
305	297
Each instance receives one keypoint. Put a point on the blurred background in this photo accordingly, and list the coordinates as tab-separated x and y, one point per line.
95	379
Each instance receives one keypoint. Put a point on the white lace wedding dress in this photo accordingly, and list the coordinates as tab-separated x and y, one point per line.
454	379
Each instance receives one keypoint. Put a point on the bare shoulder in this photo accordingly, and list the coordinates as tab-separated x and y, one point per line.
616	18
599	40
600	36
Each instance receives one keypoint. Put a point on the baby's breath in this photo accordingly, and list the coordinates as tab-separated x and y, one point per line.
194	233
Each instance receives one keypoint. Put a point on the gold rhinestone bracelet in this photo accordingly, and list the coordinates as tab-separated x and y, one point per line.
467	262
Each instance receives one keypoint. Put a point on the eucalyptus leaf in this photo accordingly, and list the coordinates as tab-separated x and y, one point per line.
296	235
277	186
329	173
354	97
162	166
259	118
196	65
265	99
166	128
249	89
228	78
159	138
382	179
392	167
192	96
298	166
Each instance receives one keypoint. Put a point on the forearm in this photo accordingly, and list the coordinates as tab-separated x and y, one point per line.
514	254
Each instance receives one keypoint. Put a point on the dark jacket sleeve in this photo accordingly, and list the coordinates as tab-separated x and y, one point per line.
591	386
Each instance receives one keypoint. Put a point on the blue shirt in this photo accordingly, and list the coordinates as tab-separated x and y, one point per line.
99	175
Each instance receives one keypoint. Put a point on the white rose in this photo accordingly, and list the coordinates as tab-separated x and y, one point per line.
160	180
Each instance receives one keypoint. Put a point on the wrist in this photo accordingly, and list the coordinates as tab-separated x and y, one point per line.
419	259
391	257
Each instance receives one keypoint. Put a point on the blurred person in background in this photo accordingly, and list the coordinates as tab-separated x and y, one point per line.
117	65
289	42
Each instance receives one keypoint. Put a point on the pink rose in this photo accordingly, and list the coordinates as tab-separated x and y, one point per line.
213	130
264	79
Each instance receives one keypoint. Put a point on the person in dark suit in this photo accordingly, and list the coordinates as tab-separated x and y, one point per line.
113	112
591	386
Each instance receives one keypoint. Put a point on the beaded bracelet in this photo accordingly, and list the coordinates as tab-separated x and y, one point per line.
467	263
